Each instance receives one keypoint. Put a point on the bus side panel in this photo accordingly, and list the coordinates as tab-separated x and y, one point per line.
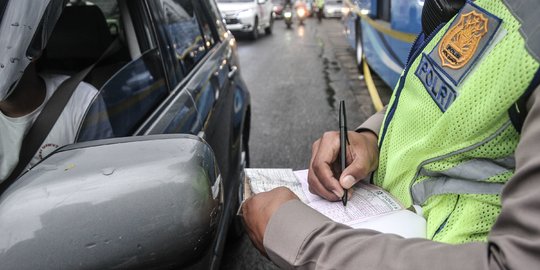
406	15
349	21
385	55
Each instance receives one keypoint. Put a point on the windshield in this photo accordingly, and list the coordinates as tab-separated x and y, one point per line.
234	1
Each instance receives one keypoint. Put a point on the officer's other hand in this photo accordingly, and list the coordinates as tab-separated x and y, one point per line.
324	169
257	211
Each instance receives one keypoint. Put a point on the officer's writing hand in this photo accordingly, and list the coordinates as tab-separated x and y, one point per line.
257	211
324	169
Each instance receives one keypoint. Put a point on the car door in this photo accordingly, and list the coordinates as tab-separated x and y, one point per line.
197	64
233	101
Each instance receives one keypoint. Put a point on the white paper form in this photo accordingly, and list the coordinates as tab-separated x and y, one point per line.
367	201
370	207
268	179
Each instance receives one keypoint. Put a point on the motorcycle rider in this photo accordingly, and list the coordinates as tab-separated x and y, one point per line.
287	12
320	9
287	4
300	8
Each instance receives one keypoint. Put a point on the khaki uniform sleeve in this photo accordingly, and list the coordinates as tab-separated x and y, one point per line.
373	123
298	237
515	237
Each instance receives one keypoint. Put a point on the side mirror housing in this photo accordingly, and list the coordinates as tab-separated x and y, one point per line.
137	202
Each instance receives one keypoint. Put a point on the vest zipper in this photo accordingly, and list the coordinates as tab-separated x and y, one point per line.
443	224
402	81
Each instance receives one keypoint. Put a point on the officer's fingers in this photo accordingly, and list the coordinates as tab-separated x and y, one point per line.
250	210
363	159
314	184
258	210
321	177
316	187
314	150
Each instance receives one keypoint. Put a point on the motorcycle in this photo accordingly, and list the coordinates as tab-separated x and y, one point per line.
288	16
301	13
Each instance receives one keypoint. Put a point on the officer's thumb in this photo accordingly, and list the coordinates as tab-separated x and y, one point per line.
361	164
347	181
355	172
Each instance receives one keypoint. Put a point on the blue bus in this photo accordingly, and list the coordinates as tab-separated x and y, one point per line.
382	33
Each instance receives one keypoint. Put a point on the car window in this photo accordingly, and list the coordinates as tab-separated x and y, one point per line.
127	99
215	16
182	30
130	94
205	27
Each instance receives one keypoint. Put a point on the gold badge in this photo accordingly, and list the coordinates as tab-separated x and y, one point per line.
460	43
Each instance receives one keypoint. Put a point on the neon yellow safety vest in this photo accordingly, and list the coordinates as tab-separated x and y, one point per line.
447	142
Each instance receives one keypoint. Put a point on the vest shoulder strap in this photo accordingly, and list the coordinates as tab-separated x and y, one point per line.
518	111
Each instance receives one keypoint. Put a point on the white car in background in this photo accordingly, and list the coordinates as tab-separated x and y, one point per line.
247	16
333	8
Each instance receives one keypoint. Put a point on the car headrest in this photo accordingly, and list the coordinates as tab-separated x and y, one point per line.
79	38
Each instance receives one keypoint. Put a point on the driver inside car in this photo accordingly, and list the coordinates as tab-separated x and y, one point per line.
25	28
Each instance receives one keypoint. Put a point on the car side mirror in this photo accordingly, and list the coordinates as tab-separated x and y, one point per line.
137	202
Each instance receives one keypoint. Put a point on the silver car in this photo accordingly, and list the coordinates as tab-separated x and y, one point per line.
161	190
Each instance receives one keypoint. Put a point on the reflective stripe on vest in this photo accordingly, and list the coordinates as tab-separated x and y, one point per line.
466	178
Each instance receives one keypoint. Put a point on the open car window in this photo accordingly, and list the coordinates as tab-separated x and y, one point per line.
127	99
132	89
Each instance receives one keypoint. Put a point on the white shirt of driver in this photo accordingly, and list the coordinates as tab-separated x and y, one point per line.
13	129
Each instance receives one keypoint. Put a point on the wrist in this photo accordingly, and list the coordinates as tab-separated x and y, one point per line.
371	148
370	136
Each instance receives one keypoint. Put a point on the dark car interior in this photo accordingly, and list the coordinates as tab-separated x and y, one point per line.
80	37
128	88
157	52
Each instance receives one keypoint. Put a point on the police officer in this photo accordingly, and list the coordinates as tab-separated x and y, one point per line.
459	138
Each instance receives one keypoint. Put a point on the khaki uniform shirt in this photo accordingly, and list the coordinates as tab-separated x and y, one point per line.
299	237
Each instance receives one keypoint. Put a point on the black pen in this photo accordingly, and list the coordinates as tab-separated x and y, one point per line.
343	144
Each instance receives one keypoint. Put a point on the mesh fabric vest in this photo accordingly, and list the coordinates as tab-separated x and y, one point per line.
446	159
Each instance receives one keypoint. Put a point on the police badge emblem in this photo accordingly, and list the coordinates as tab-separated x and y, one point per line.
467	38
465	41
460	43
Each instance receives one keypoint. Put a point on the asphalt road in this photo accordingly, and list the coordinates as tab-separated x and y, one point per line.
296	78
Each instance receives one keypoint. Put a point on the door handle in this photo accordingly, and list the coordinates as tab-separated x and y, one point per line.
221	66
233	71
